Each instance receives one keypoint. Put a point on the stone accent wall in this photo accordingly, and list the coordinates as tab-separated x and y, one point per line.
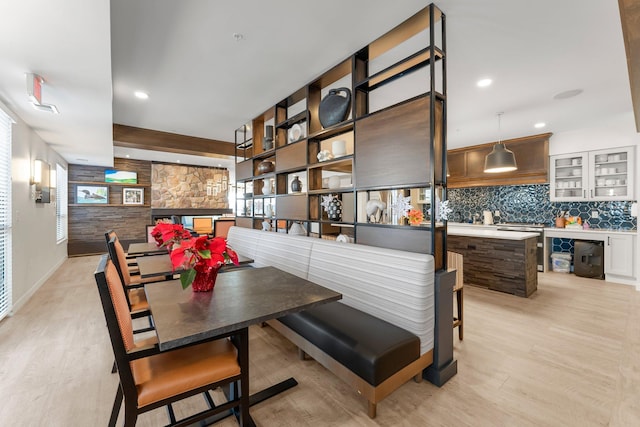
174	186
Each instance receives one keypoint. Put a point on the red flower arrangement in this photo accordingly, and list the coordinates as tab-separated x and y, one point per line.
166	234
199	258
415	216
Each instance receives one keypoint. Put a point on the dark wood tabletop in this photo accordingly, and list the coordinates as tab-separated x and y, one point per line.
160	265
239	299
146	248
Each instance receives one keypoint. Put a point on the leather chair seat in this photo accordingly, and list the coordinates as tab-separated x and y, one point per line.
170	373
370	347
138	300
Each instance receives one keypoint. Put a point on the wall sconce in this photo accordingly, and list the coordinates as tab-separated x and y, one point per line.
41	191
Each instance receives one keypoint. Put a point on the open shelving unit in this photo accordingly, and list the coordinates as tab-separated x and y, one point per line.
395	146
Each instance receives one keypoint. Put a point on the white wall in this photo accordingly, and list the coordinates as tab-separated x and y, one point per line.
36	255
618	132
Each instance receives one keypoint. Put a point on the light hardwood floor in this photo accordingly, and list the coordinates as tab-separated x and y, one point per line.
567	356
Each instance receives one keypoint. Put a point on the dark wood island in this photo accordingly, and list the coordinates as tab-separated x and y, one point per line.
499	260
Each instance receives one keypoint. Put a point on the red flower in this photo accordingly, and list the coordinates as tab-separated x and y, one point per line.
200	255
167	234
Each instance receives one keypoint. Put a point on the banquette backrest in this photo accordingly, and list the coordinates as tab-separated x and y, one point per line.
393	285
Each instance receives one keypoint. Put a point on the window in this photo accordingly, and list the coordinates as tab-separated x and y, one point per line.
5	213
61	203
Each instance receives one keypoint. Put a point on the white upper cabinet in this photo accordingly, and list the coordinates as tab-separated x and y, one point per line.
594	175
569	177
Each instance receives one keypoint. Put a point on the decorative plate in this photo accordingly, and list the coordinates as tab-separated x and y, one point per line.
295	133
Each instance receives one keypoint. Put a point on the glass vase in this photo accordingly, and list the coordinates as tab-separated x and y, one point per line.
205	279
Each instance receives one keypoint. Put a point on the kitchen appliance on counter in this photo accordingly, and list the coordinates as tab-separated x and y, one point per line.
529	228
487	218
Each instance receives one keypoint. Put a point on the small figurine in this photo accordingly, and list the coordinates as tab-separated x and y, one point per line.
324	155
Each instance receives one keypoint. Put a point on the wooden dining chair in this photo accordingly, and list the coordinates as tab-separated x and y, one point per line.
135	296
203	226
131	263
455	262
117	253
150	378
221	226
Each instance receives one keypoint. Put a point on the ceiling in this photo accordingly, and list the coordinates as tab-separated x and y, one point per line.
204	82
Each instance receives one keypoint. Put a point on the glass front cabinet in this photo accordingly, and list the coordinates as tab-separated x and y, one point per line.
594	175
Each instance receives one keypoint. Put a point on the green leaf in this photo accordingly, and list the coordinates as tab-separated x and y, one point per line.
206	254
186	277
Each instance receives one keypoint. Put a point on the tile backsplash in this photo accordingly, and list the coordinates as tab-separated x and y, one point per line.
531	204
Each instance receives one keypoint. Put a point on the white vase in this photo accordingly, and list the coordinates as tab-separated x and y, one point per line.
266	186
339	148
334	181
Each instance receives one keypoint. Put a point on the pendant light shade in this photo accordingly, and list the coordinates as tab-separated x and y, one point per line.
500	159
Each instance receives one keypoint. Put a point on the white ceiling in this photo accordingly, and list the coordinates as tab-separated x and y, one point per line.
202	82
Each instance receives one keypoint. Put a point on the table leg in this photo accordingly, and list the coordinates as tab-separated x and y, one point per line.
241	341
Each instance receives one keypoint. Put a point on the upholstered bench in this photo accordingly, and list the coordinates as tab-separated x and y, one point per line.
370	347
381	334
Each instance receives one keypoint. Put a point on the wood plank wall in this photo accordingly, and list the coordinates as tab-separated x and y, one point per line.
87	224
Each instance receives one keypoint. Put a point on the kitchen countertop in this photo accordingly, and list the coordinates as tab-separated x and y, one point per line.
487	231
580	232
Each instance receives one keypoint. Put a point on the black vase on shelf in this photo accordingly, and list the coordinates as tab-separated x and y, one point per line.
334	108
296	184
267	142
266	166
334	210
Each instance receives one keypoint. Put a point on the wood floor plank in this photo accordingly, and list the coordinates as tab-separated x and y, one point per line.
567	356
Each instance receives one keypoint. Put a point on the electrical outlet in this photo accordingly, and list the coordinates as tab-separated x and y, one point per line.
594	214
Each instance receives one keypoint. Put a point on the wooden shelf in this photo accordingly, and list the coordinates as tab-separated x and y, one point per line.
93	205
389	146
300	117
408	65
116	184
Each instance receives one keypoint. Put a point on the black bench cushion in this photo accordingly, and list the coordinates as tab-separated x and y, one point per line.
370	347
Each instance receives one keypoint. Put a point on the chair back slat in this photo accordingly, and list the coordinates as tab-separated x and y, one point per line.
112	296
116	252
120	305
110	234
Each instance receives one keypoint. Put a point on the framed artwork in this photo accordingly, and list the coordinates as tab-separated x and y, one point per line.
92	194
133	196
121	177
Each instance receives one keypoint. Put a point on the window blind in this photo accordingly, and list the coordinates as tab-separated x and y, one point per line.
5	213
61	203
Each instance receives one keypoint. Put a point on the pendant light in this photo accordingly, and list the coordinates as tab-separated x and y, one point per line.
500	159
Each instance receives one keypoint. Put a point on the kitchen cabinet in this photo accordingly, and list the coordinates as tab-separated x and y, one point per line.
594	175
466	165
619	255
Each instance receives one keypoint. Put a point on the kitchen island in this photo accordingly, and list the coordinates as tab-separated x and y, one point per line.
499	260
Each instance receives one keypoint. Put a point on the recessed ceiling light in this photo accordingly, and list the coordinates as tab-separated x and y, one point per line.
484	82
141	95
539	125
568	94
178	161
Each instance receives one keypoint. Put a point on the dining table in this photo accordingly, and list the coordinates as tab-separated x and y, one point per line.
145	248
240	298
160	265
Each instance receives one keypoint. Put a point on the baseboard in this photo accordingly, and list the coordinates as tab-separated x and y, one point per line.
24	298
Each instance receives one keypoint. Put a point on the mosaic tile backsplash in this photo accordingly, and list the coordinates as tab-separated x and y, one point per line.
531	204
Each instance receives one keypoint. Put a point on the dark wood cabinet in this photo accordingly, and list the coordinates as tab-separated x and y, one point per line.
391	149
466	165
